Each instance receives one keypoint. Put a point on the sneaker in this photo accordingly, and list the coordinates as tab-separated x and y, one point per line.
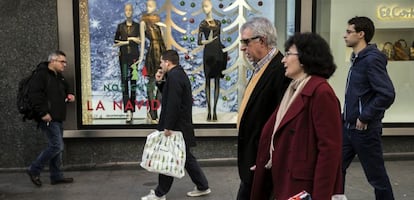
152	196
197	193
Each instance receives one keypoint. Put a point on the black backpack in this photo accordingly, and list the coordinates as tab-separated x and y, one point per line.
24	106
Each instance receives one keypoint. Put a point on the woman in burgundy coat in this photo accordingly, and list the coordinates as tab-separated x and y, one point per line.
301	144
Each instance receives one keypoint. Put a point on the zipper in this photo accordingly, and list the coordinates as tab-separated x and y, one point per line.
353	58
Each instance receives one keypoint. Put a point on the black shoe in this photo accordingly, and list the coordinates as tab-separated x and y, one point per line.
214	117
60	181
209	117
35	179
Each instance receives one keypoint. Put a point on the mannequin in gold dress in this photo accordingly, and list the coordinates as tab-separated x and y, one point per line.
150	27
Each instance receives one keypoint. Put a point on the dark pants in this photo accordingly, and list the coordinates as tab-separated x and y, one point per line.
128	85
244	191
194	171
367	145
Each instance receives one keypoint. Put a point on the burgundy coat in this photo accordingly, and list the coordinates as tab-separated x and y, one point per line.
308	147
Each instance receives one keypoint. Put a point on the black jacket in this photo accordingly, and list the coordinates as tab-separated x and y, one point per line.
122	33
177	104
264	98
47	93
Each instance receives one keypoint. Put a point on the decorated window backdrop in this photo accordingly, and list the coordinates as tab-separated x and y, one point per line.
110	93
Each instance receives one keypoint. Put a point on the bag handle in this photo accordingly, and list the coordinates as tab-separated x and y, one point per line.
388	45
402	41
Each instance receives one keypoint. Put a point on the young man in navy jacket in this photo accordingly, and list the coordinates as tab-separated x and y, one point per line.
369	92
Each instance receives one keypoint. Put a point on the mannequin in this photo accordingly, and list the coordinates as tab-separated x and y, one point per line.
127	39
151	28
214	60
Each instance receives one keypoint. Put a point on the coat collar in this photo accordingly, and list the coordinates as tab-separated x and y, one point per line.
299	103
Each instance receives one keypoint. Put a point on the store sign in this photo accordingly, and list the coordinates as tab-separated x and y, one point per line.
395	12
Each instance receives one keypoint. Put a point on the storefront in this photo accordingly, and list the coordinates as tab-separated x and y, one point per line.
99	108
394	22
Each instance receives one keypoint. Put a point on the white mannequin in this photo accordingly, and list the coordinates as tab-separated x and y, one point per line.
151	8
207	7
151	29
128	14
214	59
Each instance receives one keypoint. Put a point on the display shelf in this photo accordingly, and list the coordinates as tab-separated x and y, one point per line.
386	39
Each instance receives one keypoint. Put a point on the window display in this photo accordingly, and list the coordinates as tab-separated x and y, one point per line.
394	36
114	93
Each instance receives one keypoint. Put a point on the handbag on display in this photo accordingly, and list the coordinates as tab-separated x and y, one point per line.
388	50
412	51
164	154
401	50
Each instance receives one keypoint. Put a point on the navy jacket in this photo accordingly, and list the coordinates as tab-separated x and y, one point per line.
177	104
369	89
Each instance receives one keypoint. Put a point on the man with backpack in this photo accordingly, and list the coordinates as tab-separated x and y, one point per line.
48	94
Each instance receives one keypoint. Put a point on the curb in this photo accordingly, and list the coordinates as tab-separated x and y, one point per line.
210	162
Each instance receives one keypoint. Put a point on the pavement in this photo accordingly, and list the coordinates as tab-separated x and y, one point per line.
130	183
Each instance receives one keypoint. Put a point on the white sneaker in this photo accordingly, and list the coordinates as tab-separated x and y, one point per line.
152	196
197	193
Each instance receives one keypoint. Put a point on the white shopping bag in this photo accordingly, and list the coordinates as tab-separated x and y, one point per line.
164	155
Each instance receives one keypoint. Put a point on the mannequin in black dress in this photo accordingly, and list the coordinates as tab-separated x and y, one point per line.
127	39
214	60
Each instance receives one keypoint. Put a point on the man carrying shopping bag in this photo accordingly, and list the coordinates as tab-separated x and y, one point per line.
176	115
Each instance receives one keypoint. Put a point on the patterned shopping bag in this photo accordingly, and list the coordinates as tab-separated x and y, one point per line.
164	155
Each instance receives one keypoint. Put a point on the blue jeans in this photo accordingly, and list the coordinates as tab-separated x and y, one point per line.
53	152
367	145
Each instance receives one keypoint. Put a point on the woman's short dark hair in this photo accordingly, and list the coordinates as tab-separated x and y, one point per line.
171	55
314	54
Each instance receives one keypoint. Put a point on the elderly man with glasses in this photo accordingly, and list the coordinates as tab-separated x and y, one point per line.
263	93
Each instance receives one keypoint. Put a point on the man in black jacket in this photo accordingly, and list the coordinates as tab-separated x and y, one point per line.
49	94
176	115
263	93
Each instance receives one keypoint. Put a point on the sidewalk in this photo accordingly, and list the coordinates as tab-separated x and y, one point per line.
131	184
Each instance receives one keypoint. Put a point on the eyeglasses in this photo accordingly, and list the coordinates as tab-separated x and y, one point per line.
248	40
62	61
288	53
350	31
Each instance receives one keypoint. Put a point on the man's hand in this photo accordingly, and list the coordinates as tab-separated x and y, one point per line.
70	98
47	118
159	75
252	168
360	125
167	132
